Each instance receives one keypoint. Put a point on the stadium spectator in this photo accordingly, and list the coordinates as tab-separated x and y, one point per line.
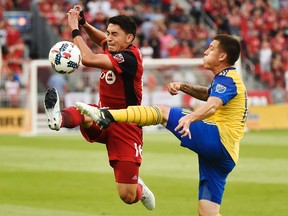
101	6
59	82
278	93
146	27
154	42
195	11
165	41
286	81
278	71
12	90
146	50
234	19
15	56
265	56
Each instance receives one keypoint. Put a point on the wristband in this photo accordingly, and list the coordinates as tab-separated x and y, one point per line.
82	21
76	32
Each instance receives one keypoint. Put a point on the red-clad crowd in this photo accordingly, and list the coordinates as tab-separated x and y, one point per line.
175	29
12	51
263	27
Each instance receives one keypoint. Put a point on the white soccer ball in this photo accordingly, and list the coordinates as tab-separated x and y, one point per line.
65	57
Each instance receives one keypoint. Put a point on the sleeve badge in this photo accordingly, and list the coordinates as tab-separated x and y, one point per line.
220	88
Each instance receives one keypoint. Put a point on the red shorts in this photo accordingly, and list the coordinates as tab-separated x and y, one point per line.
124	146
123	140
125	171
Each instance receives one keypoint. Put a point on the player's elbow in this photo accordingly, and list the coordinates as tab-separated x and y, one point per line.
213	108
87	61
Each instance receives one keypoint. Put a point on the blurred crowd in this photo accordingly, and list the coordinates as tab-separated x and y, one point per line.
173	29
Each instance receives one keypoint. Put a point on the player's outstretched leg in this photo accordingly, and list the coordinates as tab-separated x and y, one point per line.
52	109
147	199
101	116
140	115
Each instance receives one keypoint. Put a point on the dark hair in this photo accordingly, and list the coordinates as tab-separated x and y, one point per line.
127	24
230	45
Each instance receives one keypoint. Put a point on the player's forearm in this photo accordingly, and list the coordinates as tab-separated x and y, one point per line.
203	112
199	92
95	35
86	52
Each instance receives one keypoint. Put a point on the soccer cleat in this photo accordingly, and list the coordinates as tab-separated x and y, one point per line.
101	116
52	109
147	199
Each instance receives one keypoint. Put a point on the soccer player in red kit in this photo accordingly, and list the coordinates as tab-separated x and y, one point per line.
121	76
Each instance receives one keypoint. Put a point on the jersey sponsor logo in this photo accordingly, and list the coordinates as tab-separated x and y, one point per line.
220	88
109	77
119	58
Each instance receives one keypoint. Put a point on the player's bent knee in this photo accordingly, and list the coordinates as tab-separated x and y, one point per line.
165	111
127	194
127	198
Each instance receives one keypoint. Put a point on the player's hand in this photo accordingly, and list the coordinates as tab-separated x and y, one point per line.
78	8
183	126
72	17
81	17
173	88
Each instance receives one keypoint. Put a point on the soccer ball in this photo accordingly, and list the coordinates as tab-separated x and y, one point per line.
65	57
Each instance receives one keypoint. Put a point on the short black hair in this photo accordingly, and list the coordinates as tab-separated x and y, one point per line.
230	45
126	23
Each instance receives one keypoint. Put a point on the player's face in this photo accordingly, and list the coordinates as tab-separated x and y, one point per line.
212	56
117	39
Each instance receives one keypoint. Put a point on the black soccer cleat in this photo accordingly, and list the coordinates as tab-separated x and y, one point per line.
52	109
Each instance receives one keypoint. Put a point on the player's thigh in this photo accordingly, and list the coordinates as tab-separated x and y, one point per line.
205	137
124	142
174	114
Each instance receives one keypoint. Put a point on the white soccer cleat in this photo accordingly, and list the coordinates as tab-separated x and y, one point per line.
148	198
52	109
100	116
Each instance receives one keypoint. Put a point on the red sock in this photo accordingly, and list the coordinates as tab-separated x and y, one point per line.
71	117
138	193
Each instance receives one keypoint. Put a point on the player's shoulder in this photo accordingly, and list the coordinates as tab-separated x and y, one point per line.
231	71
132	52
229	75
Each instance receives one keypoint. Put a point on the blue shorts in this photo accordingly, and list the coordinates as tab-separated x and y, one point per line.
215	163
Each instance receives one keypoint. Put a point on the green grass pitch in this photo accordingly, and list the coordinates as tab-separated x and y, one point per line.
62	175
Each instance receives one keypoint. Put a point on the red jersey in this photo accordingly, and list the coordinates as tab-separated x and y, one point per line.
123	87
118	90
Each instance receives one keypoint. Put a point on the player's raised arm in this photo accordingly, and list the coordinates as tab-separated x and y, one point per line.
199	92
89	58
95	35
